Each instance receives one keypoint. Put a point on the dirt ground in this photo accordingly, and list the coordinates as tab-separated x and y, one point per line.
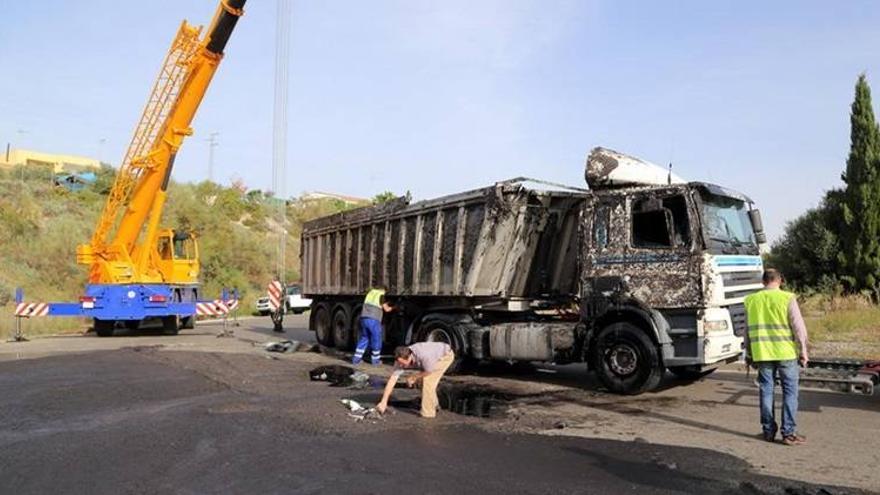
718	413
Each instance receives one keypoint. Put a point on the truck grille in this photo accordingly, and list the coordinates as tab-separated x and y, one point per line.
738	285
738	319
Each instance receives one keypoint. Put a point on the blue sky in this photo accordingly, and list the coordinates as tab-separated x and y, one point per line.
436	97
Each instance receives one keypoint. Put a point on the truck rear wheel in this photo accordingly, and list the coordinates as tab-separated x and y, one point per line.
446	329
625	359
104	328
322	325
342	328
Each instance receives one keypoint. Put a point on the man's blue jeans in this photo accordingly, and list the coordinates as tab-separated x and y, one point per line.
371	335
789	373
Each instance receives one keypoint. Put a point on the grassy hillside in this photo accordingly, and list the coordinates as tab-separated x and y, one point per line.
41	225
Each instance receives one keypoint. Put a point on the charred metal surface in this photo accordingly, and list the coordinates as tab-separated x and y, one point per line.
504	241
607	168
654	277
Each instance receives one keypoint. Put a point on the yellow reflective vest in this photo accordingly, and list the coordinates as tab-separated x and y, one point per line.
770	335
373	305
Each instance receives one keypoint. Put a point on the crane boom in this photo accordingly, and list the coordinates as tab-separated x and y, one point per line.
124	247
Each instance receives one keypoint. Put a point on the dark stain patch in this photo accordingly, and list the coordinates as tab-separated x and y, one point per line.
466	400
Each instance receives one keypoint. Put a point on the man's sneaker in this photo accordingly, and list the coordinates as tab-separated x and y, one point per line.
794	439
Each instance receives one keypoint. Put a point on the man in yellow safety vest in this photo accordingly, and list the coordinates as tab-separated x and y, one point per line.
373	310
776	343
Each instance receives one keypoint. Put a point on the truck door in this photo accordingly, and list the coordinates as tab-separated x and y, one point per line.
649	238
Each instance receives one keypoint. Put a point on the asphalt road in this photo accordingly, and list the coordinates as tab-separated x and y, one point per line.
143	418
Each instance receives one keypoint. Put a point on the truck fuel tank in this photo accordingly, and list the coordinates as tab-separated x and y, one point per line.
530	341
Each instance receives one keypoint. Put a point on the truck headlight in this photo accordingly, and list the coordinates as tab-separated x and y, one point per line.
715	325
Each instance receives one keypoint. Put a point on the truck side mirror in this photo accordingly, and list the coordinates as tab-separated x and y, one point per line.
758	226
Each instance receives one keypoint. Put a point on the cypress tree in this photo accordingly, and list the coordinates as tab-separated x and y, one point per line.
860	226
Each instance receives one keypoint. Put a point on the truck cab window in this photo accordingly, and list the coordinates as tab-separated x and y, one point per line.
660	223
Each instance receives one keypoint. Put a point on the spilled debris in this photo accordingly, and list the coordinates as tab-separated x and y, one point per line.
336	375
290	346
361	413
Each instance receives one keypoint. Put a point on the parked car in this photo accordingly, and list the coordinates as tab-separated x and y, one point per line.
262	306
295	303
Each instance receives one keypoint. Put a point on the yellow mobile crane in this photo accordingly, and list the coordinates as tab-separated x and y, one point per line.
137	270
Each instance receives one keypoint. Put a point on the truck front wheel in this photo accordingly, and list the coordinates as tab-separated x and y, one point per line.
625	359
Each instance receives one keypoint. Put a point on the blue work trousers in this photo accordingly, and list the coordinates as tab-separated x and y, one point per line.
371	334
789	373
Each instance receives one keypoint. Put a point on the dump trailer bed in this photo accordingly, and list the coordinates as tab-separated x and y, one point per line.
503	242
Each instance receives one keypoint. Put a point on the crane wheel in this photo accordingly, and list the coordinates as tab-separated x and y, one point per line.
170	325
104	328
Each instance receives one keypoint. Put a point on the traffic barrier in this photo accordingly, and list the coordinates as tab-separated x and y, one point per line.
216	307
275	292
28	310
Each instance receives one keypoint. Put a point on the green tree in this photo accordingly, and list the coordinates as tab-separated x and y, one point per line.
860	227
807	251
384	197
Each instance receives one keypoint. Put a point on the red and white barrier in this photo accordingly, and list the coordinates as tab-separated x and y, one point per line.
216	307
275	293
27	310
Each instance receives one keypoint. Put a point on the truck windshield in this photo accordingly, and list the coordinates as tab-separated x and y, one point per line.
726	225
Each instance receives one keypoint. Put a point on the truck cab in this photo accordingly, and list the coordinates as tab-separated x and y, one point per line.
682	255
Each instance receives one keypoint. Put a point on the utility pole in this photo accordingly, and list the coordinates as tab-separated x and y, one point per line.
212	143
279	145
279	126
20	132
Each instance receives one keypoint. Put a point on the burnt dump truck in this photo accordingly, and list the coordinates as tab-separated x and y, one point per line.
641	273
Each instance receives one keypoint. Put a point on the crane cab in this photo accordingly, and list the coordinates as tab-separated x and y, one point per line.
178	257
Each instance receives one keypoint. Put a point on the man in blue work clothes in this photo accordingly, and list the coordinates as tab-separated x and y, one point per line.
776	342
370	321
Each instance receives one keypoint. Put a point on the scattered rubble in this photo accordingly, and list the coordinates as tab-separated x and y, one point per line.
290	346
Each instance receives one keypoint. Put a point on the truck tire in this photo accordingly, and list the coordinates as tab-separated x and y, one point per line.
625	359
689	373
323	325
170	325
450	330
104	328
342	328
